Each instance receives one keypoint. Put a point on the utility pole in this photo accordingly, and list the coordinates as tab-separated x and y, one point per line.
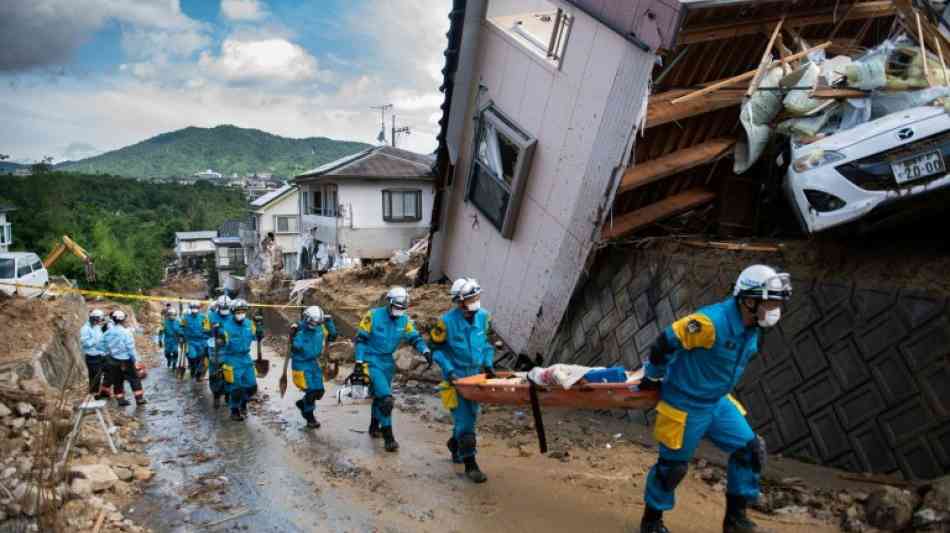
404	129
381	138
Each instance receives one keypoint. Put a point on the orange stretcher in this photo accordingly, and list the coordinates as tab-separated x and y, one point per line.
479	388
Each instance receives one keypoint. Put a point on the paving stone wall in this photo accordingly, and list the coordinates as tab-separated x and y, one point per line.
854	376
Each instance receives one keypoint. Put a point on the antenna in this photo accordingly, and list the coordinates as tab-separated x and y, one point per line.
381	138
395	130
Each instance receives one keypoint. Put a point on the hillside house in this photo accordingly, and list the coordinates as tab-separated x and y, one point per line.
6	229
369	204
229	256
192	247
274	213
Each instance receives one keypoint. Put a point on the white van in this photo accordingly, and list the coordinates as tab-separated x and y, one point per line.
25	268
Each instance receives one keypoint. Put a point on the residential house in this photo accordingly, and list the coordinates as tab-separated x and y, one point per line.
6	229
275	212
368	204
565	132
208	175
192	247
229	256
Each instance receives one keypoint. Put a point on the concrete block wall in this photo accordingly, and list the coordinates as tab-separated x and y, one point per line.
854	376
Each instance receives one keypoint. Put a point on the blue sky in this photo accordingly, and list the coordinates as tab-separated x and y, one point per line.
80	77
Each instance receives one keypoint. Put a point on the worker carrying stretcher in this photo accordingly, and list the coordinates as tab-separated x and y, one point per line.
695	363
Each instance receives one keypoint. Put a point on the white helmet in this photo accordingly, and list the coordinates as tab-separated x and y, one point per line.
224	305
173	312
97	314
118	315
398	298
469	288
314	315
454	291
762	282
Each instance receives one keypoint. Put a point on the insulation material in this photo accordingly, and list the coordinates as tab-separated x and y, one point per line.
757	112
834	70
808	126
800	102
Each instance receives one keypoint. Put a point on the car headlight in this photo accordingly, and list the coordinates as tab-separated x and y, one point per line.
818	158
823	202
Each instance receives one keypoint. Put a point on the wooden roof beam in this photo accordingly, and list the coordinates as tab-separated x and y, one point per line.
668	165
629	222
715	32
661	111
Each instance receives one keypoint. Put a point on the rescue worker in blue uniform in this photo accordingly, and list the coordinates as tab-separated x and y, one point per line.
379	334
234	344
90	340
218	315
120	345
310	338
193	329
463	347
695	363
172	336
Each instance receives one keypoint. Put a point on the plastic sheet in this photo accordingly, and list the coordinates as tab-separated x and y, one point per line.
757	112
886	103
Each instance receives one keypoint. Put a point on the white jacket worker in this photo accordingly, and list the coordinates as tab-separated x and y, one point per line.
122	355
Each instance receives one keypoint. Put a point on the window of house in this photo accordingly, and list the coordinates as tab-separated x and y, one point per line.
285	224
321	200
544	30
290	262
6	234
499	171
235	256
402	206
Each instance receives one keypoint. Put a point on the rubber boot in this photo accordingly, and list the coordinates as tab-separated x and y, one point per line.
652	521
140	401
217	401
472	471
736	520
123	402
374	431
453	447
311	421
236	415
391	444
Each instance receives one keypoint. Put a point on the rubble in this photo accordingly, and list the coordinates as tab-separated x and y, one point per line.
890	508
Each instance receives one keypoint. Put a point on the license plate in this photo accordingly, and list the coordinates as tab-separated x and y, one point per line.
918	166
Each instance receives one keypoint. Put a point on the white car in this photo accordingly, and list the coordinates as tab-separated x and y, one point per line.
848	175
25	268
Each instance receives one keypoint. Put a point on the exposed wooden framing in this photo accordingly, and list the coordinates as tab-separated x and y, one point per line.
766	58
745	76
908	15
684	201
923	46
674	163
735	246
865	28
865	10
839	93
943	65
837	28
662	111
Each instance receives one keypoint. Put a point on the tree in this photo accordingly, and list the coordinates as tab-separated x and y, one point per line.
45	166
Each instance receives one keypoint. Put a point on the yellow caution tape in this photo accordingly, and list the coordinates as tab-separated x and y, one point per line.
55	289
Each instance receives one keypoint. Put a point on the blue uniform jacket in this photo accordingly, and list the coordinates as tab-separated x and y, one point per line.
193	327
238	339
713	347
171	331
309	343
379	335
120	343
461	347
90	339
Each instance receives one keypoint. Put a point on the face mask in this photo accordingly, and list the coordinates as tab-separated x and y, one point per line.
397	312
239	317
187	311
312	325
474	306
771	318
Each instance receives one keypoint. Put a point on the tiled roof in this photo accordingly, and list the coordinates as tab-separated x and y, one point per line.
271	196
376	162
195	235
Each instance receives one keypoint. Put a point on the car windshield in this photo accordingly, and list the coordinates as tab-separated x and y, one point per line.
6	268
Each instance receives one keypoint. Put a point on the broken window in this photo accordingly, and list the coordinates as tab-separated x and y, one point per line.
321	200
285	224
544	30
402	206
502	162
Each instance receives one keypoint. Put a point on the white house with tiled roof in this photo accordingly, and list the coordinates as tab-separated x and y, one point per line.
276	212
370	204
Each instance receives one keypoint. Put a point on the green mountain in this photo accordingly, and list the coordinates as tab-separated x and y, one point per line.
7	167
224	149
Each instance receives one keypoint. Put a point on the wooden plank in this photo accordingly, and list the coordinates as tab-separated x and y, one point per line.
662	111
684	201
839	93
746	75
943	64
735	246
766	58
923	47
679	161
715	32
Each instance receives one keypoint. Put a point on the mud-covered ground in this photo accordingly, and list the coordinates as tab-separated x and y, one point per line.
269	473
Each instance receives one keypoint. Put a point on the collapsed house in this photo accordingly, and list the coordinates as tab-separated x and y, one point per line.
573	131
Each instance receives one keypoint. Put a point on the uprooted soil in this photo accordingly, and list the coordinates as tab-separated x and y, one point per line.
24	326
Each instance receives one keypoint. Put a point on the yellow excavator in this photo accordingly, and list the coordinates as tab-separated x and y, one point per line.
78	251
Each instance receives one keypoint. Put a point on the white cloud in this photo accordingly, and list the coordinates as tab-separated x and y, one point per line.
268	59
243	10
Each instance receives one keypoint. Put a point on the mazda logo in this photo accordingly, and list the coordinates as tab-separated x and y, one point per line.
905	134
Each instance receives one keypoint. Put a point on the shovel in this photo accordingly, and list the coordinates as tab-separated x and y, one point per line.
182	361
283	374
261	365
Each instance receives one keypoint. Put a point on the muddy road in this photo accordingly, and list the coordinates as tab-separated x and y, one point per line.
269	473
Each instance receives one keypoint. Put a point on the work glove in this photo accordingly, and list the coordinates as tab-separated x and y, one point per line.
648	384
294	327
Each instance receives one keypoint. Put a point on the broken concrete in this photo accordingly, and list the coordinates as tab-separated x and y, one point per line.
101	477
